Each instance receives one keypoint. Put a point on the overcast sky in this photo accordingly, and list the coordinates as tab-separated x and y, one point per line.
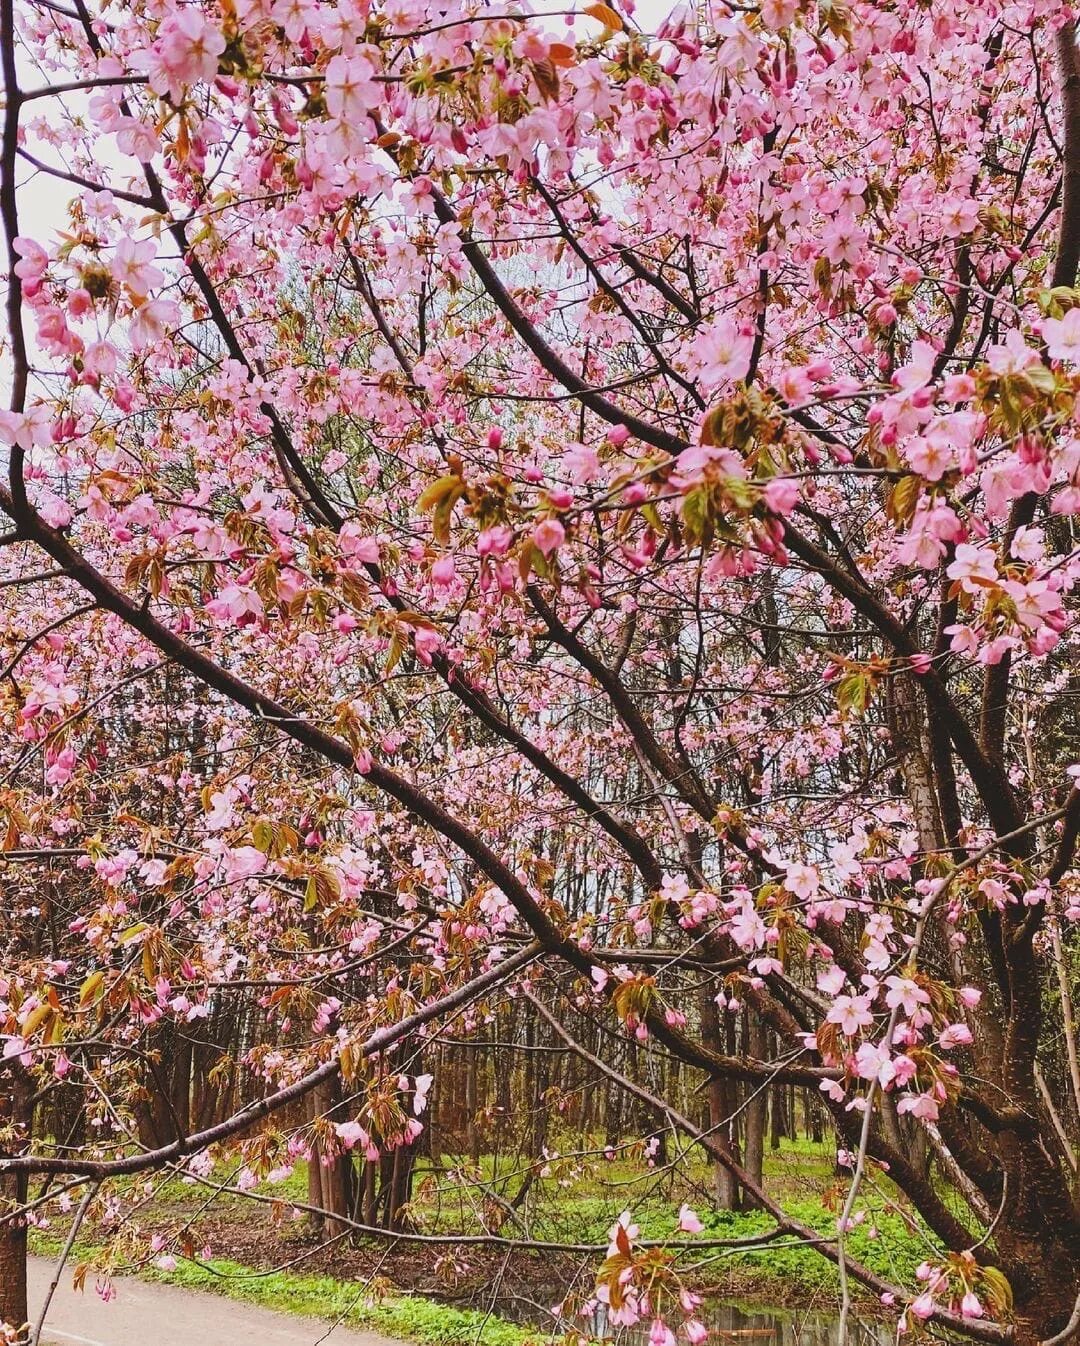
43	200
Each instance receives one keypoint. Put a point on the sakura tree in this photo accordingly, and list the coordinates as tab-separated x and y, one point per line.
570	507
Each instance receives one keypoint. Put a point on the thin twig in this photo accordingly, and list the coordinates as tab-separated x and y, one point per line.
69	1243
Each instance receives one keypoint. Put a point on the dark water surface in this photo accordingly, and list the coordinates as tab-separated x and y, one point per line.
729	1325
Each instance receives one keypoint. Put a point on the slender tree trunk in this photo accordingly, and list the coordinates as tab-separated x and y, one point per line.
754	1151
401	1187
370	1191
331	1179
433	1128
724	1185
814	1124
315	1194
778	1122
472	1136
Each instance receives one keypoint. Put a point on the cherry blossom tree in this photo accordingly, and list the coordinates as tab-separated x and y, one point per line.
458	456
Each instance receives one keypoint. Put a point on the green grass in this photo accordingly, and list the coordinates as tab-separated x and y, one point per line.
580	1208
412	1319
799	1175
423	1321
893	1250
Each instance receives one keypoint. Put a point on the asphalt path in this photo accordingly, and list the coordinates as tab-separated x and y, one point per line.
149	1313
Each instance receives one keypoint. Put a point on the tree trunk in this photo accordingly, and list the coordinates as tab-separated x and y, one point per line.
316	1219
778	1125
15	1111
472	1136
370	1191
1043	1273
754	1151
433	1129
401	1186
724	1185
330	1177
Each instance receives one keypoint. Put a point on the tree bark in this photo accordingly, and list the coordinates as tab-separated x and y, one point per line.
757	1106
472	1135
15	1113
725	1187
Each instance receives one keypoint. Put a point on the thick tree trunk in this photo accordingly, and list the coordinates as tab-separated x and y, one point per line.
15	1112
13	1308
1044	1272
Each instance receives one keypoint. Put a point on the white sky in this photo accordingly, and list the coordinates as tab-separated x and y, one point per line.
43	200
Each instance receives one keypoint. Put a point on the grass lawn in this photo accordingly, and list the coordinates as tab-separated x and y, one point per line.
260	1253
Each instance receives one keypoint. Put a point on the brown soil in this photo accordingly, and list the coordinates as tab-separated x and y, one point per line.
519	1284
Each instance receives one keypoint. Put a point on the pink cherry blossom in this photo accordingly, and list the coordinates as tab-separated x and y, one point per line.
1062	336
851	1013
722	353
973	567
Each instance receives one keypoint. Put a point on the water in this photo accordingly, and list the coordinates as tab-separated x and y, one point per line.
728	1324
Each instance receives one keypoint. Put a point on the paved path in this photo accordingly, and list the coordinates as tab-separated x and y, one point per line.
146	1313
